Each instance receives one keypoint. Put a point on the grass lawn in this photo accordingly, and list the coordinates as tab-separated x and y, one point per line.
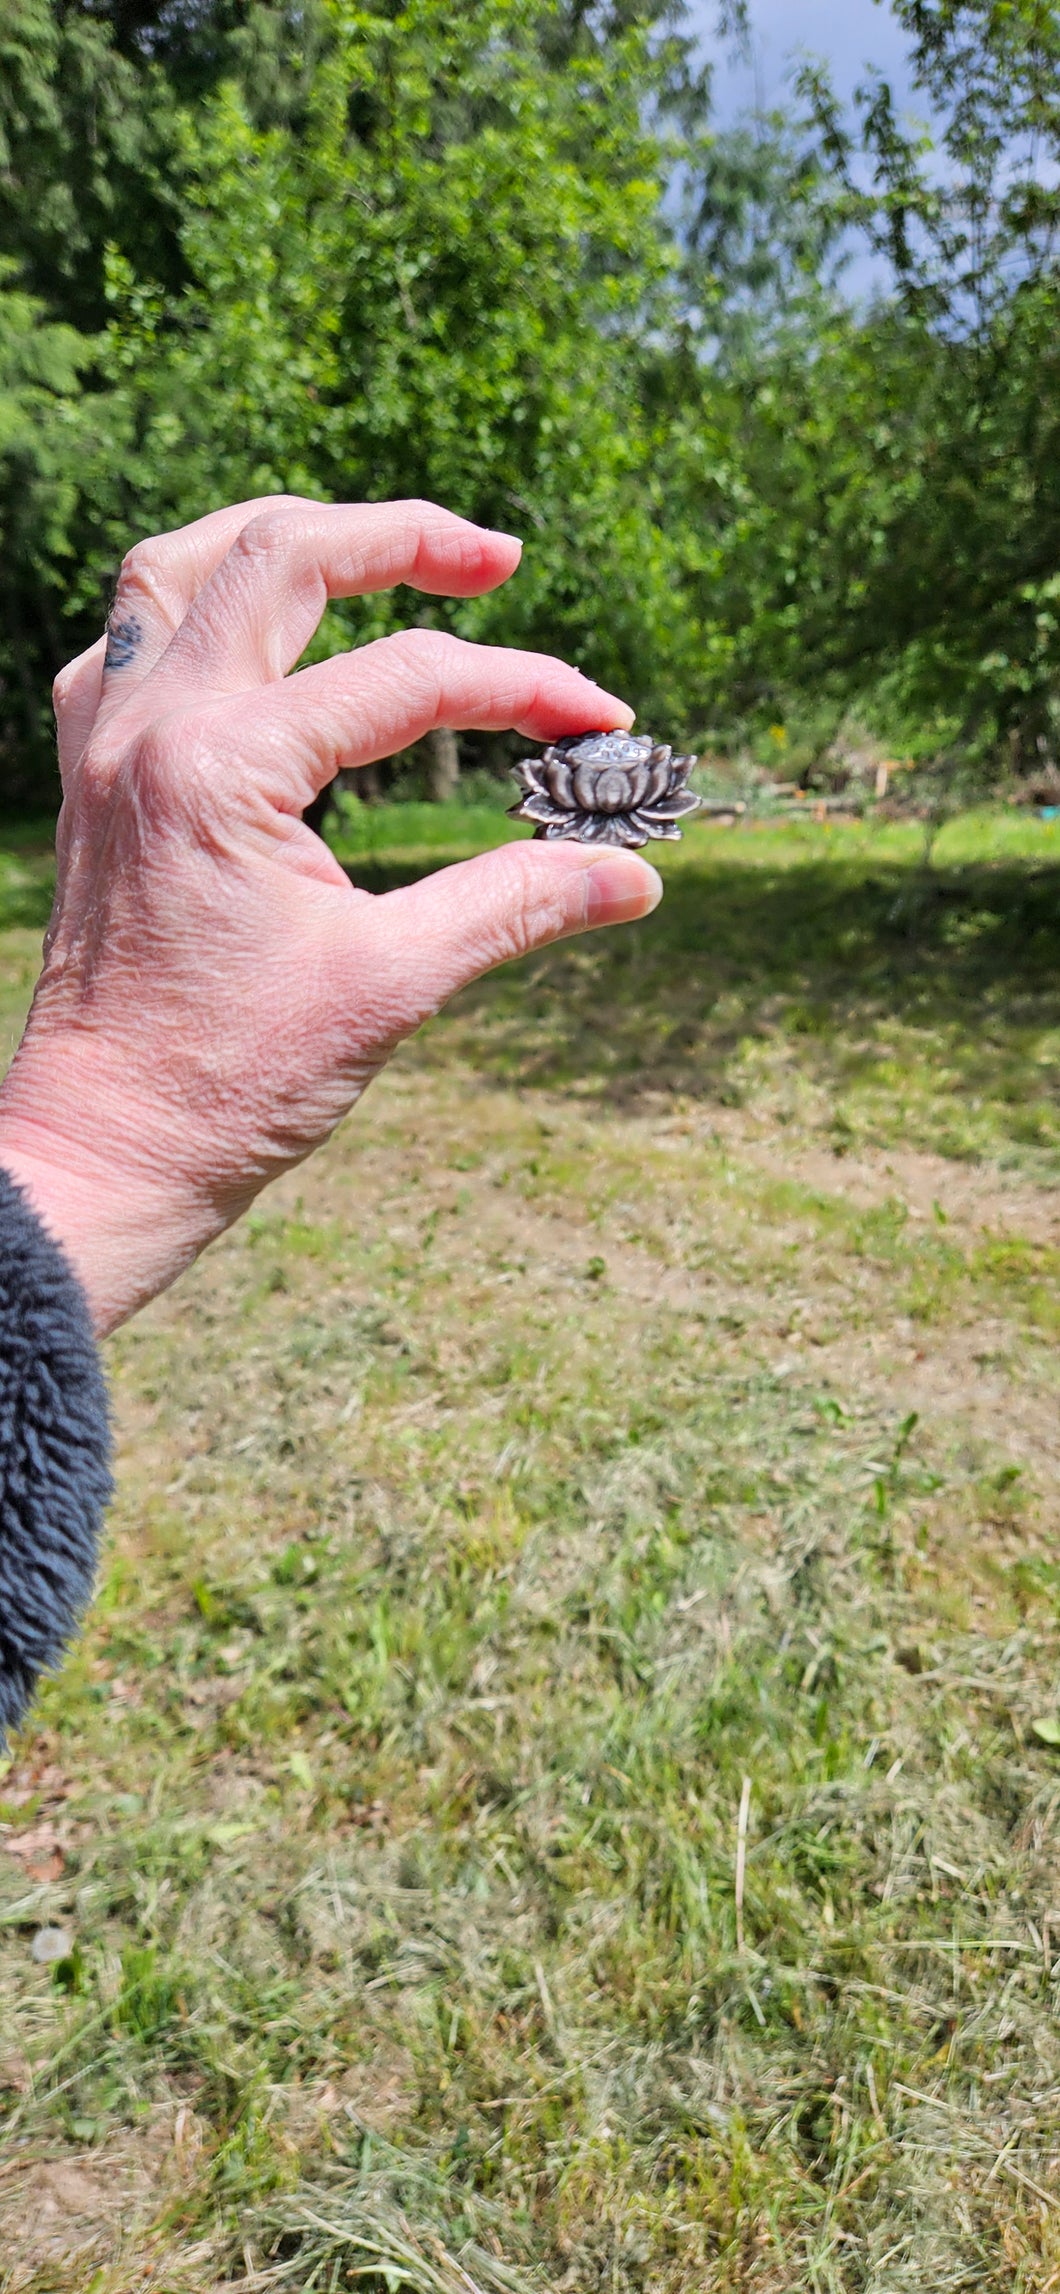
561	1786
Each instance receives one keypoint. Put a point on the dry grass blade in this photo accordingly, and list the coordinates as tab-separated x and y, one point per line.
344	2242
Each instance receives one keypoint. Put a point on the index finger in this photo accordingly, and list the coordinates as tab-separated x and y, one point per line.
160	578
291	740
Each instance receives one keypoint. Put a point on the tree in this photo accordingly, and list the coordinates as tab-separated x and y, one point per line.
40	363
86	157
963	593
442	284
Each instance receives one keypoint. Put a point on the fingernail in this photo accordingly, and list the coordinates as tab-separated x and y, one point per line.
499	535
620	889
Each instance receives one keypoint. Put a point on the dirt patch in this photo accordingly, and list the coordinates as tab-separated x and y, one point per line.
968	1367
81	2215
972	1196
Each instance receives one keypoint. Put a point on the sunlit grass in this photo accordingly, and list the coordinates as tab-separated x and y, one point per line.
596	1425
820	976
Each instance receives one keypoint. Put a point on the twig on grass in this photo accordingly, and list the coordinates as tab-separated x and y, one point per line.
741	1860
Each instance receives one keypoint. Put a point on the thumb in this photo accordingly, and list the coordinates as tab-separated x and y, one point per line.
431	938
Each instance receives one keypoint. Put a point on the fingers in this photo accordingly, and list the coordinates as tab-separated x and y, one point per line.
428	940
159	580
255	615
75	697
294	738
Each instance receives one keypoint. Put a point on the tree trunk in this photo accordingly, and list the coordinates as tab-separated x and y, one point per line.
443	772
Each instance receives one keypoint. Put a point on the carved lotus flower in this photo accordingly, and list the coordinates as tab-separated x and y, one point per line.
606	788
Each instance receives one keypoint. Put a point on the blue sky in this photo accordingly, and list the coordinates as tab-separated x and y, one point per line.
850	33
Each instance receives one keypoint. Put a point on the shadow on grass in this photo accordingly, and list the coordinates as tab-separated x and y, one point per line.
27	874
858	972
914	1006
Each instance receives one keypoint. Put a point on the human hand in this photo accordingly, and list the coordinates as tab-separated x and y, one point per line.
215	993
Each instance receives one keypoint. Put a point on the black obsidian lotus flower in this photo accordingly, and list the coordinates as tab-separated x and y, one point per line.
606	788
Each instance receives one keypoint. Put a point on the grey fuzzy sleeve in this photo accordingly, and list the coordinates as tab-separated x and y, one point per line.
54	1453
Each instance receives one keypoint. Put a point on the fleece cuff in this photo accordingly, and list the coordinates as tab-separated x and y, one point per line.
55	1448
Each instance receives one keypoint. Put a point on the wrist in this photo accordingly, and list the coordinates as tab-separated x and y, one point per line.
66	1139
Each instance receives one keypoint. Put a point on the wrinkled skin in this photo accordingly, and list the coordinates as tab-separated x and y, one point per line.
215	994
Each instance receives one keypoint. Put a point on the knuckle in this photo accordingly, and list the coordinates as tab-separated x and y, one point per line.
417	510
540	907
434	645
549	901
155	751
77	683
264	505
268	535
431	650
99	767
428	659
61	690
172	765
164	762
530	908
143	568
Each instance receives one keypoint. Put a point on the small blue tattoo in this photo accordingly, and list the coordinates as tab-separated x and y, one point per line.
124	634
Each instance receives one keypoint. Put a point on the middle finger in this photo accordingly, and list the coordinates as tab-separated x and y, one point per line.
257	612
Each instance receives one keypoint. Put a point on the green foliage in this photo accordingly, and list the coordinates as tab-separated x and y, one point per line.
961	532
86	155
438	284
500	255
40	426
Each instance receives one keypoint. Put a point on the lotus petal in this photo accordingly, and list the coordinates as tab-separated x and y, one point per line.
660	777
593	827
638	780
650	824
539	808
625	830
529	777
675	807
559	779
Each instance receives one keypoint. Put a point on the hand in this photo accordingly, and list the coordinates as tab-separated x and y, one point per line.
215	993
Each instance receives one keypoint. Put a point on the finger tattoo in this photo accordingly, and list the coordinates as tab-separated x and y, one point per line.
124	636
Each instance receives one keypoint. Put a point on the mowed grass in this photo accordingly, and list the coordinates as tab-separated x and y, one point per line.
560	1788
